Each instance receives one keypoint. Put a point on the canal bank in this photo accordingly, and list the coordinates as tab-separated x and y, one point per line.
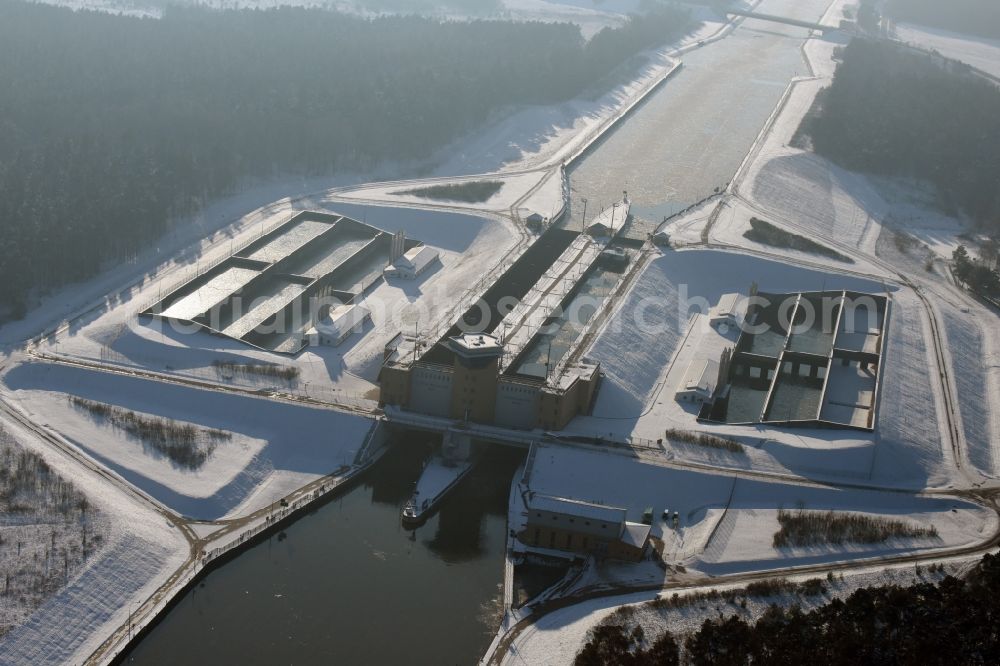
617	171
346	583
690	137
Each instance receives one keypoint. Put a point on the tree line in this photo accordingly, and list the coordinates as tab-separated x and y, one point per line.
114	127
894	111
980	276
950	622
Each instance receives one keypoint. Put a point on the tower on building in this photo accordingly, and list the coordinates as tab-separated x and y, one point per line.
476	372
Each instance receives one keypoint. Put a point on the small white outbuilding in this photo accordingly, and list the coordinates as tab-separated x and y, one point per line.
699	381
339	324
731	311
414	261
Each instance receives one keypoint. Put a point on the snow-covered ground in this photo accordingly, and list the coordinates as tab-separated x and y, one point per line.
556	638
139	553
980	52
48	531
856	215
727	523
275	448
68	627
733	221
468	245
967	332
278	447
515	187
591	16
645	349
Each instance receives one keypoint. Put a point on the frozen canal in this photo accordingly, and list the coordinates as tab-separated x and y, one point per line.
691	136
348	584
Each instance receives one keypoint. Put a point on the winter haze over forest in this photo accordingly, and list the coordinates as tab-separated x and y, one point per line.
499	331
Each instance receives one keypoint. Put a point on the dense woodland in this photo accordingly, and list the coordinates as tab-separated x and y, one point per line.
113	127
975	17
955	621
898	112
978	274
463	7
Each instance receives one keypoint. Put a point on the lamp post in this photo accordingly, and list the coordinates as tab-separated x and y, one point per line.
583	223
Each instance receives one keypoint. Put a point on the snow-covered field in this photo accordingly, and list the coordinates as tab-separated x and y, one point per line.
278	447
48	531
65	629
275	448
854	214
965	332
800	189
733	222
555	639
515	186
973	353
467	246
645	349
727	523
140	550
980	52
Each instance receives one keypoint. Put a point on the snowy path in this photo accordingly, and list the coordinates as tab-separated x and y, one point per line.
939	421
793	188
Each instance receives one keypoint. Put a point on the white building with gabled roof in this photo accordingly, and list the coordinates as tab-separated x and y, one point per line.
338	325
562	523
730	311
414	261
699	382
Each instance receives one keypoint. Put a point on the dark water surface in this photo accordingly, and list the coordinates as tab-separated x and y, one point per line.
348	585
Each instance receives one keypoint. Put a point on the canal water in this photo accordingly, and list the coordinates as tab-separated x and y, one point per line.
347	584
691	136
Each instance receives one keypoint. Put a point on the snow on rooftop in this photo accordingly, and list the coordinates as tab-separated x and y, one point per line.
635	534
477	342
576	507
571	373
744	543
730	305
418	257
702	375
610	220
638	362
341	320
